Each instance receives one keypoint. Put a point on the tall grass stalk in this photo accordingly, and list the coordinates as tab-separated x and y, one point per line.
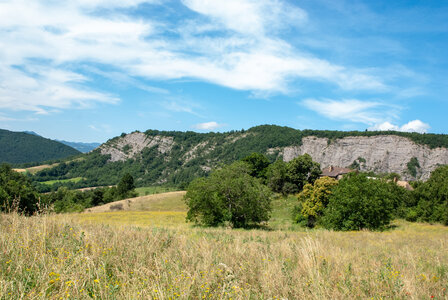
52	257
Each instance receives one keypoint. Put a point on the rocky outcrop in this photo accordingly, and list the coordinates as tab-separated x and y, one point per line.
130	145
381	154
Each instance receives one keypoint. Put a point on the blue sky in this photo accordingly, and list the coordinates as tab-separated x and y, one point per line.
89	70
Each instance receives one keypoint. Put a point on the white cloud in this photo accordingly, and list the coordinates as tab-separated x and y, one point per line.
101	128
411	126
247	55
208	126
254	17
367	112
385	126
415	126
182	106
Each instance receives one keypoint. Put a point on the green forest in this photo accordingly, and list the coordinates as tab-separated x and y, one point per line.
19	147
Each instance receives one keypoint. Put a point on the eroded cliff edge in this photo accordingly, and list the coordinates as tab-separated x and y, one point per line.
381	154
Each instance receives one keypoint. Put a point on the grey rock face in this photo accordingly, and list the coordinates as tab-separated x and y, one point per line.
131	144
381	154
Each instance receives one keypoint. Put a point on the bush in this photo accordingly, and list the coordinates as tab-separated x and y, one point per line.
358	203
314	198
230	195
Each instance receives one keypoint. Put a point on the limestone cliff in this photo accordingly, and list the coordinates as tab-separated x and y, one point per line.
381	154
181	156
130	145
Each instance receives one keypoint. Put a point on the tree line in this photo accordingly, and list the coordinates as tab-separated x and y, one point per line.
17	193
240	194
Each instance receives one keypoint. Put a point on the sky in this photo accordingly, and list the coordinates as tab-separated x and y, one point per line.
89	70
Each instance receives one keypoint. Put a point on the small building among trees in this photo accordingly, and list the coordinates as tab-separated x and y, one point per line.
335	172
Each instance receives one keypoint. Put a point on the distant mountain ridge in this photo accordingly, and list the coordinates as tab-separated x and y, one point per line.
83	147
21	147
172	157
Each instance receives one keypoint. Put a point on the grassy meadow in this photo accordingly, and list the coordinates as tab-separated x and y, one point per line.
150	190
74	180
34	170
154	254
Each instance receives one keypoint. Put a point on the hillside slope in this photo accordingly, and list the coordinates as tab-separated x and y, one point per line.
21	147
157	157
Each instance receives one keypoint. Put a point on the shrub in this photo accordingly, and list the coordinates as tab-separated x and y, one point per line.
358	202
230	195
314	198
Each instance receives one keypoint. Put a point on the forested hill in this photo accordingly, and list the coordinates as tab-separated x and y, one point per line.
21	147
175	158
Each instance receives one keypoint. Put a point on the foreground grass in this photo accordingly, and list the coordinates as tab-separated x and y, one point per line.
101	256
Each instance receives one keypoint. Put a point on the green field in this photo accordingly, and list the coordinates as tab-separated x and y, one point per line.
74	180
144	191
154	254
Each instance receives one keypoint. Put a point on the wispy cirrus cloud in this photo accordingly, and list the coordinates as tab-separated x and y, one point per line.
353	110
229	43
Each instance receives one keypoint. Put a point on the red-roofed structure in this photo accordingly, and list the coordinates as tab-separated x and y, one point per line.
335	172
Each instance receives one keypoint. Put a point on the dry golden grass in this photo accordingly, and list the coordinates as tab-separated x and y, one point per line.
34	170
128	255
171	201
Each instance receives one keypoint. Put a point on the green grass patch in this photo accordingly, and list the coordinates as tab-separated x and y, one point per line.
74	180
150	190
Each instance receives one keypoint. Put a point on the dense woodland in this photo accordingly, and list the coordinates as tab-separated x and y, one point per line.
18	194
20	147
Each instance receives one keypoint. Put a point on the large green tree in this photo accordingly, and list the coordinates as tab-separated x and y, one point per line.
229	195
432	198
276	176
302	170
16	192
359	202
126	185
258	164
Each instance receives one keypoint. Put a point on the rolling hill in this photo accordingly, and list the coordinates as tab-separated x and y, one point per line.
21	147
175	158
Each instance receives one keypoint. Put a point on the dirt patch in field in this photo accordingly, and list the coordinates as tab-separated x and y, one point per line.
171	201
36	169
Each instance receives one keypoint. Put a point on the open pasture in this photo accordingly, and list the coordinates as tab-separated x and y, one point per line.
154	254
34	170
